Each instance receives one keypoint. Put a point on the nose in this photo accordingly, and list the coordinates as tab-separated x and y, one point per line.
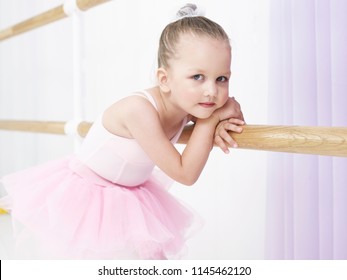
210	90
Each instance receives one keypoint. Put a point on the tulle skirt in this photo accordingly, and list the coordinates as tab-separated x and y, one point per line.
66	211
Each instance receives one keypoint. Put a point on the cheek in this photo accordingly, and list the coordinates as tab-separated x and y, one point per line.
224	96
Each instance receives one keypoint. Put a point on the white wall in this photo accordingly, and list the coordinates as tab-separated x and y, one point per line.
120	47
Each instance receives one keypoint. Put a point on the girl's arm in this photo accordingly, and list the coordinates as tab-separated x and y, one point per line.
143	123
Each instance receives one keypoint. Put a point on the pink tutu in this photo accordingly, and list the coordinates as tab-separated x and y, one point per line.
77	214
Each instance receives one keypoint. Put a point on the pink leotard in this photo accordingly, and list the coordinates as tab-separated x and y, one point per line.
117	159
105	202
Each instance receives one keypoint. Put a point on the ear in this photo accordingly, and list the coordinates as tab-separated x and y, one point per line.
163	79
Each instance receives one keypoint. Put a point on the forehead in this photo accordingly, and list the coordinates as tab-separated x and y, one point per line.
202	52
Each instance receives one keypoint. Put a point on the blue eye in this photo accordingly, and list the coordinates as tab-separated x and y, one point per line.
222	79
197	77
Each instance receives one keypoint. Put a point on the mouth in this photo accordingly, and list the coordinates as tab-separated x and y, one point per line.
207	104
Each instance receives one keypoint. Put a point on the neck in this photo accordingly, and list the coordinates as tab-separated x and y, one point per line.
170	115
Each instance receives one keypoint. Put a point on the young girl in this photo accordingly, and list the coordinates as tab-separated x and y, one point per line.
104	202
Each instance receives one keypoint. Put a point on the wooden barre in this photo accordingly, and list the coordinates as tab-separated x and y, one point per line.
45	18
330	141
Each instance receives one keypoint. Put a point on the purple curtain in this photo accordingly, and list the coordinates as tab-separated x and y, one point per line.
307	195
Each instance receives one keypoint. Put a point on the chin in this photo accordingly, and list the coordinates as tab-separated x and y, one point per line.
202	116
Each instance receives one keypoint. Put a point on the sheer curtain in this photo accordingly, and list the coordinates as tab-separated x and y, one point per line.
307	195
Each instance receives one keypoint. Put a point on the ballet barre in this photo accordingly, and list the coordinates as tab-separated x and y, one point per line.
49	16
328	141
331	141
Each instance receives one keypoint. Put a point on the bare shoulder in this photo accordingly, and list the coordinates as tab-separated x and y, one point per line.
127	111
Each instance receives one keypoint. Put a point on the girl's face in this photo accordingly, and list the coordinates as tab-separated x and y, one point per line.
198	76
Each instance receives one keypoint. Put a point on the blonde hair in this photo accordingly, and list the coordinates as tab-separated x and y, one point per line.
189	23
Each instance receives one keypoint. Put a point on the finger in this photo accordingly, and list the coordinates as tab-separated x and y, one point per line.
236	121
221	144
228	139
237	109
234	143
241	117
224	135
233	127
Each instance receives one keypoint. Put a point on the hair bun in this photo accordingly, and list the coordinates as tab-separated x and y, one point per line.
189	10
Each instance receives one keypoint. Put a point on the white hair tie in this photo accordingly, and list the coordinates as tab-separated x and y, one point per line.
189	10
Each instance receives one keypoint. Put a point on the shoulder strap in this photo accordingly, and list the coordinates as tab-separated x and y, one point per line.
178	134
149	97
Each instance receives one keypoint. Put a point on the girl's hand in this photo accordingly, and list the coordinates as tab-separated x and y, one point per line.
221	136
231	109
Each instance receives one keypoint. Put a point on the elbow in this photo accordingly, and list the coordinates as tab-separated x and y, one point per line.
188	180
186	176
188	183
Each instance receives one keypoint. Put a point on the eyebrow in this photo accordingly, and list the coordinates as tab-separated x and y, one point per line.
228	73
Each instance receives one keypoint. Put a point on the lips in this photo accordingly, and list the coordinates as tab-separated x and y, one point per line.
207	104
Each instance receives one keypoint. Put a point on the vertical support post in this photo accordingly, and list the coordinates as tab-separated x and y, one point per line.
77	73
71	9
